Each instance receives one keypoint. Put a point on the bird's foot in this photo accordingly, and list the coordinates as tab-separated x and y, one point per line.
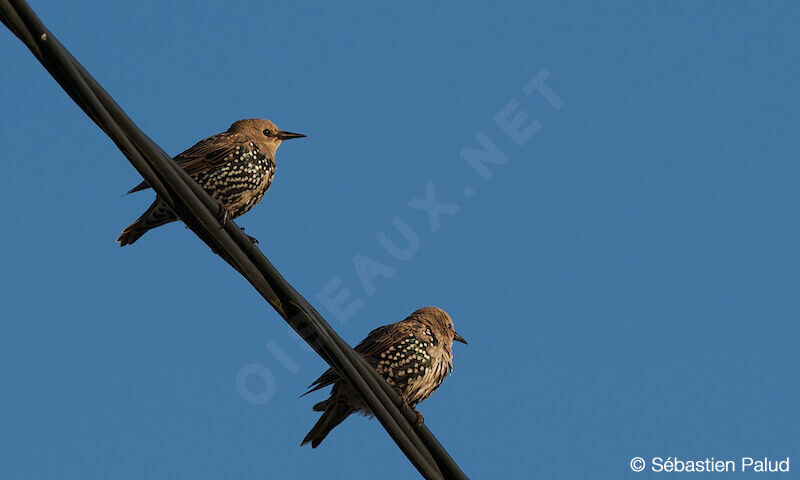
253	240
402	396
420	418
404	399
223	216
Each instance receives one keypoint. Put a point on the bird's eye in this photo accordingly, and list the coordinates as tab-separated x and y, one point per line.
267	133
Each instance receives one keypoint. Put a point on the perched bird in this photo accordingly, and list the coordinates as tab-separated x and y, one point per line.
414	356
235	167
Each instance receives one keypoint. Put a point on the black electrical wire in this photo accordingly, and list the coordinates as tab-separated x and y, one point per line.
193	205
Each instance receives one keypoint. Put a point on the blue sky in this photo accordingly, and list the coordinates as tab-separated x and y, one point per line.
627	278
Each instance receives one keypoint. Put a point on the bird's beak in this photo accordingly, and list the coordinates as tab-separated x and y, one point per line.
459	338
289	135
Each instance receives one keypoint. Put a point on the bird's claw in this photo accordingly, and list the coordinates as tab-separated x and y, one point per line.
253	240
420	418
402	396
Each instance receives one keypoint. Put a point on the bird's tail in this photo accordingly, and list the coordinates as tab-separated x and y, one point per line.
335	414
158	214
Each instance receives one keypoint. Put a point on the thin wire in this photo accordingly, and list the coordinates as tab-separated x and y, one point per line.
193	205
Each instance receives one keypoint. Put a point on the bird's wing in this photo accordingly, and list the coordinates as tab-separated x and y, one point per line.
376	342
380	339
205	154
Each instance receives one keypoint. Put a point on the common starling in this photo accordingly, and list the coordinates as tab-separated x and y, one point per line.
414	356
235	167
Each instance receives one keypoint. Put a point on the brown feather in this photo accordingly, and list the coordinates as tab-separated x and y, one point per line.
204	155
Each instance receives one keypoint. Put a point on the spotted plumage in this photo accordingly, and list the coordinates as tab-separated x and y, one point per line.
235	167
414	356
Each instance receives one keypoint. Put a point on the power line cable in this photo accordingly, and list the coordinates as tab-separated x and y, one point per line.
193	205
